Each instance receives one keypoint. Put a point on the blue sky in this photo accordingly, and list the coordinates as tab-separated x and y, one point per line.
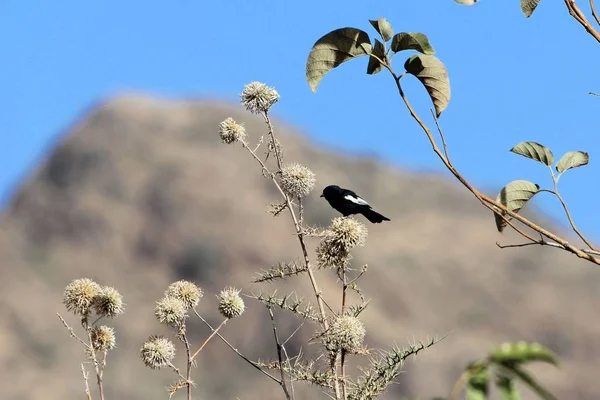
513	79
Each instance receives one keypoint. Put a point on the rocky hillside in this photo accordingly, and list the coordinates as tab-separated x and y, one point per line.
141	192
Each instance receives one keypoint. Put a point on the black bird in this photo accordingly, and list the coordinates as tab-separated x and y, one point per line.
347	202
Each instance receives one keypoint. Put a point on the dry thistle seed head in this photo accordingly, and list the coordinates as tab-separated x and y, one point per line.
108	302
258	97
297	180
157	352
346	333
348	232
79	294
231	304
231	132
185	291
331	255
103	338
170	311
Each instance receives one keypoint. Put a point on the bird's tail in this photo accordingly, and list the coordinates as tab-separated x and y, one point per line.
374	216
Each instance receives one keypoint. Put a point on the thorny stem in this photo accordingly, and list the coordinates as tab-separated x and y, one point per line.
279	354
214	332
486	201
236	351
188	368
343	355
300	235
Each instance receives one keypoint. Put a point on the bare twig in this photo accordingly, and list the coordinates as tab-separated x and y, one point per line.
343	355
279	354
564	205
214	332
188	366
85	378
94	359
486	201
236	351
72	332
579	16
593	7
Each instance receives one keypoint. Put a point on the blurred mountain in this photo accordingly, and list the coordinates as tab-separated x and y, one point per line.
141	192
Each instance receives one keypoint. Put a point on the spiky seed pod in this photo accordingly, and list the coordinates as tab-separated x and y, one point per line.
231	304
346	333
79	294
108	302
186	291
170	311
331	255
258	97
348	232
230	131
157	352
297	180
103	338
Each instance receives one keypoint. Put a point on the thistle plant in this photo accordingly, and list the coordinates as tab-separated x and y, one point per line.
92	302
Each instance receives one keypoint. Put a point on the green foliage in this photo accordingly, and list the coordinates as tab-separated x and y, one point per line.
333	49
529	6
411	41
478	381
433	75
514	196
506	363
507	387
522	352
572	159
341	45
383	27
375	66
534	151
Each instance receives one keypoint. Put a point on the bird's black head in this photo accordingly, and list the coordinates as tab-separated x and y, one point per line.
330	190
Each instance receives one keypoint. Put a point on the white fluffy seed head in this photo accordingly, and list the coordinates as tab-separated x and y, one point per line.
186	291
157	352
103	338
170	311
297	180
349	232
231	132
346	333
258	97
79	295
231	304
108	302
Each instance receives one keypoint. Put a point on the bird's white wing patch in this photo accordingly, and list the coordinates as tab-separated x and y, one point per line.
356	200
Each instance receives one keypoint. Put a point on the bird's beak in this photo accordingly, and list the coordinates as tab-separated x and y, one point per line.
322	195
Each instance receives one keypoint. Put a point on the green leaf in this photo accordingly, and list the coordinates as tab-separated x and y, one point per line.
383	27
507	387
375	66
529	6
522	352
333	49
411	41
476	387
534	151
530	381
514	196
433	75
572	159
